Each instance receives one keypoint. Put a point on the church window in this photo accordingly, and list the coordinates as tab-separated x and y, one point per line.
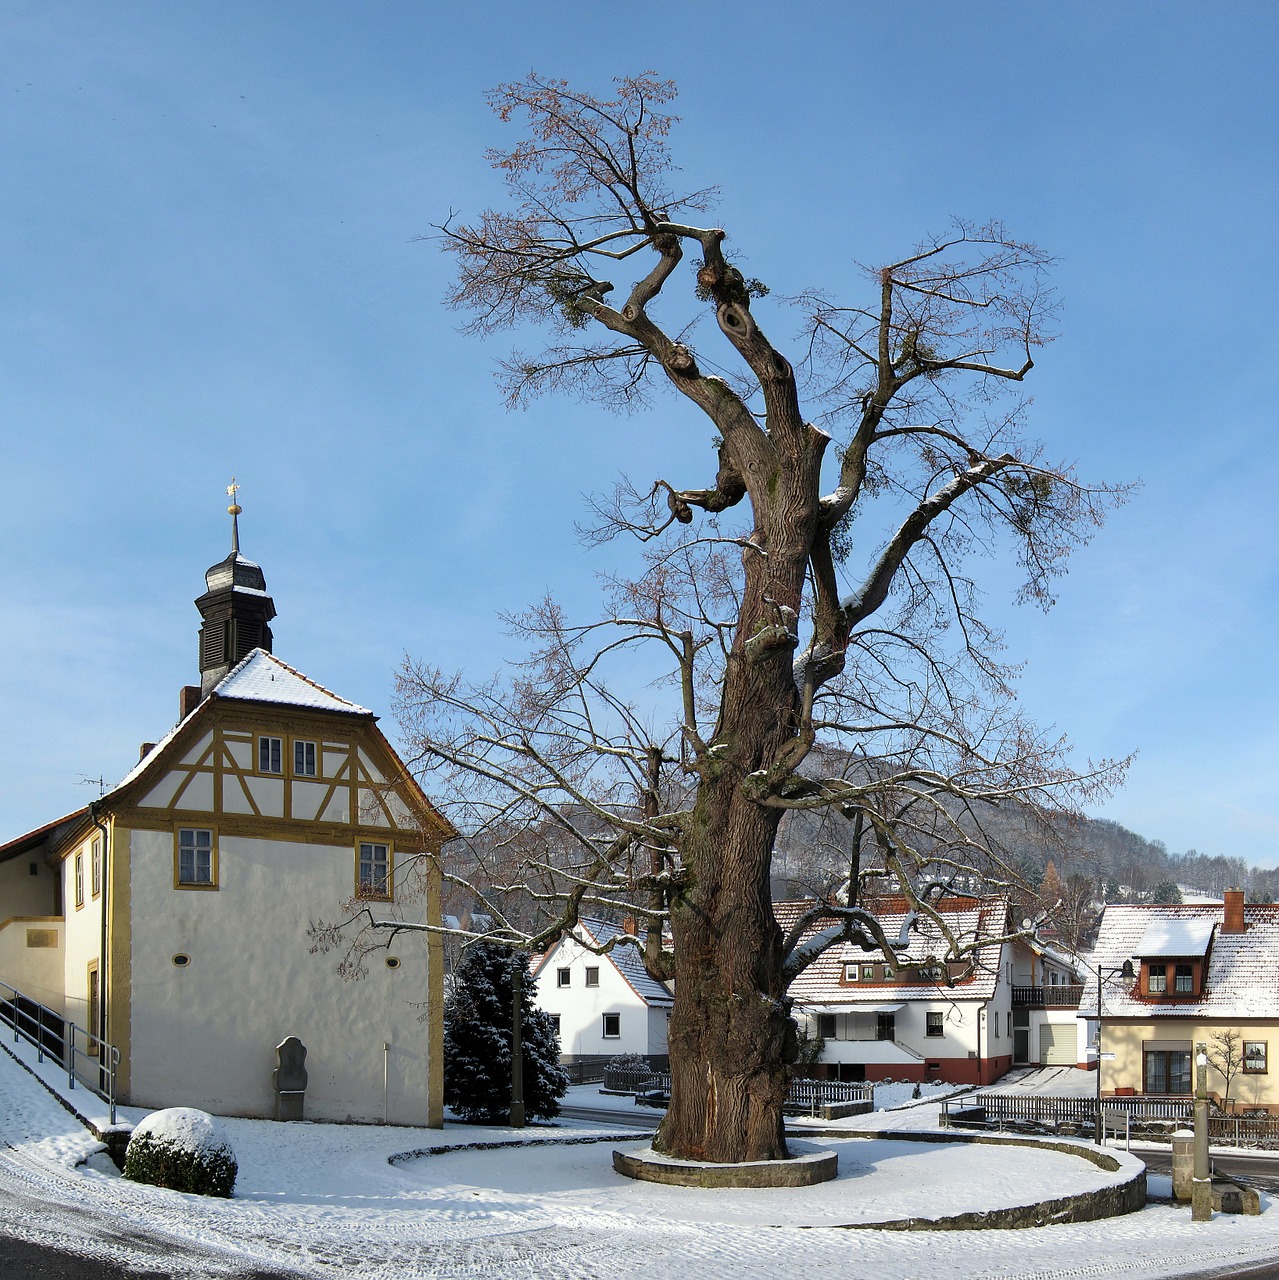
303	759
197	863
270	755
374	878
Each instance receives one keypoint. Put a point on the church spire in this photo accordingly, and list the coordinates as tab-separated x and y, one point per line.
235	607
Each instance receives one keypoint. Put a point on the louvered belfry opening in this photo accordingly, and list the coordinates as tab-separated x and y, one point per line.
237	612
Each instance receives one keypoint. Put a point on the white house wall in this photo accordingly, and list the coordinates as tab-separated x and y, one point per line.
31	958
581	1009
199	1036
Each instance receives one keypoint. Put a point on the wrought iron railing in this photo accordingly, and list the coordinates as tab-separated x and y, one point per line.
86	1059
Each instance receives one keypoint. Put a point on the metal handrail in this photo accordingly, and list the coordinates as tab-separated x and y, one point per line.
38	1025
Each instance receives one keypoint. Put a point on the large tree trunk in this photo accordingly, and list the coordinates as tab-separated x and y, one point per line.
731	1038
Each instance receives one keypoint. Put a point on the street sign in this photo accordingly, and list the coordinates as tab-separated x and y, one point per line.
1108	1057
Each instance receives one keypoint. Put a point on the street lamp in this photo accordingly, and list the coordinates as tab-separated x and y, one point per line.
1126	972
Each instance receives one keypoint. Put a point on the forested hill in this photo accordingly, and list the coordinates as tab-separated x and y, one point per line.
1110	855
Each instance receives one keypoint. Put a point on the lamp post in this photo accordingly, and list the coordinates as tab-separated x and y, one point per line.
1126	972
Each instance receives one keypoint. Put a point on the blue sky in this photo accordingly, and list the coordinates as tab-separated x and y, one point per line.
208	236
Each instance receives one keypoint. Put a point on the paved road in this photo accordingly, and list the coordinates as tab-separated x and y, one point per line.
644	1118
1253	1171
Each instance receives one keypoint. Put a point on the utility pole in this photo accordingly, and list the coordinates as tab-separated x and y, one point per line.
517	1043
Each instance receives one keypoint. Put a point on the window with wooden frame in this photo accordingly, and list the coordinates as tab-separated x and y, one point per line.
868	973
95	868
270	755
195	859
1184	980
304	758
373	870
79	880
1156	978
1254	1057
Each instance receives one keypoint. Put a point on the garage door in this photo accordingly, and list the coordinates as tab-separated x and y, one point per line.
1057	1041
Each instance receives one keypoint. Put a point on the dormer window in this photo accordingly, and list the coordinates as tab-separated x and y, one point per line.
1184	980
1157	979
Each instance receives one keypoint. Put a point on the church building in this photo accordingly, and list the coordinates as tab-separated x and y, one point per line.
169	919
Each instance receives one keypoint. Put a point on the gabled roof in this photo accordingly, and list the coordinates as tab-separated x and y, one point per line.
970	919
262	677
626	960
41	837
1243	968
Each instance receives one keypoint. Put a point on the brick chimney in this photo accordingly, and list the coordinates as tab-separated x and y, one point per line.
188	700
1234	921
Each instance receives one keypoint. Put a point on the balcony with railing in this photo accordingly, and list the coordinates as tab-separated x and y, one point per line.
1065	996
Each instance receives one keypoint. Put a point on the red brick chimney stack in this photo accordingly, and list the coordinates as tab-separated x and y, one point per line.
1234	922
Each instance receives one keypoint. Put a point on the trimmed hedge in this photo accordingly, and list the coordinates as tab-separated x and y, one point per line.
184	1150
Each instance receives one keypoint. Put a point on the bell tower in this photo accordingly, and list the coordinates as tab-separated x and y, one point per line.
236	609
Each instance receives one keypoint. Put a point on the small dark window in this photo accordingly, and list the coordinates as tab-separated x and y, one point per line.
592	976
885	1026
1184	980
35	868
612	1026
270	755
868	973
304	759
555	1022
181	960
563	977
393	962
826	1026
935	1024
1157	978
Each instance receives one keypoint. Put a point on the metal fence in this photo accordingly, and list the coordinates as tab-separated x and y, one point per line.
1066	996
803	1094
86	1059
1151	1116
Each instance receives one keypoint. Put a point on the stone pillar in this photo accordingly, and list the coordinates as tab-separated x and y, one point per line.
1183	1164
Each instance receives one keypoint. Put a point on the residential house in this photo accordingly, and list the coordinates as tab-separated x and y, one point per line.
603	1005
170	918
916	1017
1048	984
1200	972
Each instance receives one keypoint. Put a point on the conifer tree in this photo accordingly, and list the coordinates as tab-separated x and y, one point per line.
477	1041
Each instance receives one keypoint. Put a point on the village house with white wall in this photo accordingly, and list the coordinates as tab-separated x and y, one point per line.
602	1005
169	919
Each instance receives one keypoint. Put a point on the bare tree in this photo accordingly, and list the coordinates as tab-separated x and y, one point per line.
1225	1055
807	599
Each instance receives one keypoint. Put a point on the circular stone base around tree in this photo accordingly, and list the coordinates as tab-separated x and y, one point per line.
806	1167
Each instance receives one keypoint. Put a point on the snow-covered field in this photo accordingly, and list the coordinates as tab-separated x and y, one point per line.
323	1200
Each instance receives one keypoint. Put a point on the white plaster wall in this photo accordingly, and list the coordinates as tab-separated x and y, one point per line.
35	971
910	1025
82	939
581	1008
205	1035
24	894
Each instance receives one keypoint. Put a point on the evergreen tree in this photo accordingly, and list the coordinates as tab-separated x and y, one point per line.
477	1041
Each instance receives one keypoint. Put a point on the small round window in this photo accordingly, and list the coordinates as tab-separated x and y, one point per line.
181	960
393	962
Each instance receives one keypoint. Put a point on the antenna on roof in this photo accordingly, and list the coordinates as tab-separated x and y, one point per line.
234	512
100	783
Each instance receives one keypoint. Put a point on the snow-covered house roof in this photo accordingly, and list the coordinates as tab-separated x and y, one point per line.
822	983
1242	979
625	959
262	677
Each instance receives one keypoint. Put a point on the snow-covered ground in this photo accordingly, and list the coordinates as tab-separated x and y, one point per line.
323	1200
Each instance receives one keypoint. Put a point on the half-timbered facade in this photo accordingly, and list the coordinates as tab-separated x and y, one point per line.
187	893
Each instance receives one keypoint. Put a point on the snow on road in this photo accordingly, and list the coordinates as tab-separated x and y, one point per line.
323	1200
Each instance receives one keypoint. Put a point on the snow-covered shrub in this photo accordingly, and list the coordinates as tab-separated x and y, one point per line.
184	1150
628	1062
477	1041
